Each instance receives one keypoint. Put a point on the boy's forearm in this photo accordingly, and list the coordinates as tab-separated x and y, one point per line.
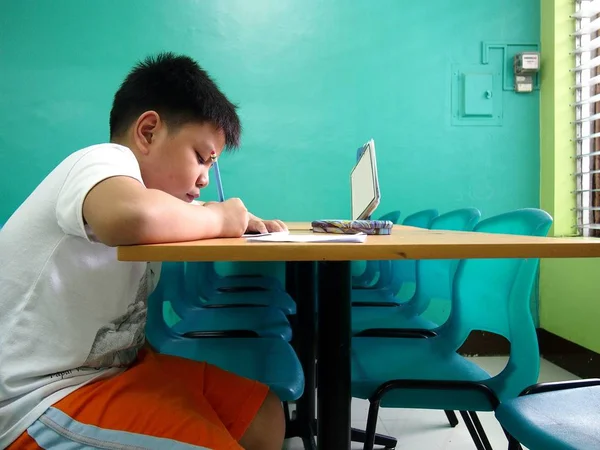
157	217
121	211
167	219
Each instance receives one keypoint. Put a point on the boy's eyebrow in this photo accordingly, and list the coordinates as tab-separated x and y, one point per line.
203	145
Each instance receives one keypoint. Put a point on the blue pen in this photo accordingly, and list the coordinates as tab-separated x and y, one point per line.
213	157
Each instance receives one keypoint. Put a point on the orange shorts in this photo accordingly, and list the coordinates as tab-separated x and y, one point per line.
160	402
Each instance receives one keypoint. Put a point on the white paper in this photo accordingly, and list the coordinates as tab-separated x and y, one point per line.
249	235
314	237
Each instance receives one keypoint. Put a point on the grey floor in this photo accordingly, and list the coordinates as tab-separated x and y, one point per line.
429	430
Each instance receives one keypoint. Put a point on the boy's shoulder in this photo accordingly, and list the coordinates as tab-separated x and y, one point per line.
105	149
112	154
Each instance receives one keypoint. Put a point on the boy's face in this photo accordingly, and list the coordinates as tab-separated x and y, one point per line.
178	161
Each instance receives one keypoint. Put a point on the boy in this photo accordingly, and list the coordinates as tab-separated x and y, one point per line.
73	373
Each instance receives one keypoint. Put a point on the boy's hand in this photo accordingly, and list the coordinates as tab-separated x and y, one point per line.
256	225
234	216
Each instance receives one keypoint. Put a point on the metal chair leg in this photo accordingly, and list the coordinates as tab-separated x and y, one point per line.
371	425
472	430
451	415
387	442
480	430
309	442
513	444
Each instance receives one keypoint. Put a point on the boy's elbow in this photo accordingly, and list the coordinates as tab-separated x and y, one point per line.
128	227
118	211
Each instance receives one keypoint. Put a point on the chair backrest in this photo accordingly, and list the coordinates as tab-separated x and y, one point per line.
421	219
434	277
493	295
400	271
372	268
200	279
169	287
392	216
463	219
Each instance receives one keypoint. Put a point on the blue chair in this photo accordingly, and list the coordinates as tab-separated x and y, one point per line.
554	416
395	274
270	360
386	315
372	268
438	272
421	219
263	321
426	371
234	283
202	291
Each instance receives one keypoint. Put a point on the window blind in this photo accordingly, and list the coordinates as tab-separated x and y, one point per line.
586	51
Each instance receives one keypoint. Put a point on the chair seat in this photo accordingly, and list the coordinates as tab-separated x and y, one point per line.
265	321
378	360
558	420
276	299
368	317
234	282
373	295
270	361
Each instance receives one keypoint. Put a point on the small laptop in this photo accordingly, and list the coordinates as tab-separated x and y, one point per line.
365	198
364	183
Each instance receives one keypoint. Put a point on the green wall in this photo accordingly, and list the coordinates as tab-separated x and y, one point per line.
314	79
569	305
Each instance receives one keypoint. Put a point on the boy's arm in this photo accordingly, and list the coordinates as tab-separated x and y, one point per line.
121	211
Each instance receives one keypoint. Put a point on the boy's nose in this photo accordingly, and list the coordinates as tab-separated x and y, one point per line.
202	180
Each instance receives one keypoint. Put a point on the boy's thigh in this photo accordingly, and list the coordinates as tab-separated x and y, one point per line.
157	403
235	400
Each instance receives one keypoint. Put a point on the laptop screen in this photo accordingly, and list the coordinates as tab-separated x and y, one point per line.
365	184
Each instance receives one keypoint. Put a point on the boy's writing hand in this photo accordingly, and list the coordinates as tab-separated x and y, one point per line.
234	216
257	225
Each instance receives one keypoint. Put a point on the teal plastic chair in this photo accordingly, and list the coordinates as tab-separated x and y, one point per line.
270	360
202	291
437	274
554	416
234	283
394	274
421	219
426	371
372	268
256	320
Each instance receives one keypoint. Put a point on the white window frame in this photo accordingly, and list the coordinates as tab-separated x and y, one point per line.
587	22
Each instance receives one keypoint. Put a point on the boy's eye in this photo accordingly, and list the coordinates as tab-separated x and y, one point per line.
200	159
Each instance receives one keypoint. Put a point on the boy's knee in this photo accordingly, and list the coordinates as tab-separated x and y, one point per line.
273	410
267	430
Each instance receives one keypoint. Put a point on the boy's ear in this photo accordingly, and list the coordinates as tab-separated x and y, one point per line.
145	129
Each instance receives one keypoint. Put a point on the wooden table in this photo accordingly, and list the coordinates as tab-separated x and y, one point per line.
403	243
334	279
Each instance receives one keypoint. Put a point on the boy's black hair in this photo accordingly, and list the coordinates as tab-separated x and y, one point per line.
180	91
